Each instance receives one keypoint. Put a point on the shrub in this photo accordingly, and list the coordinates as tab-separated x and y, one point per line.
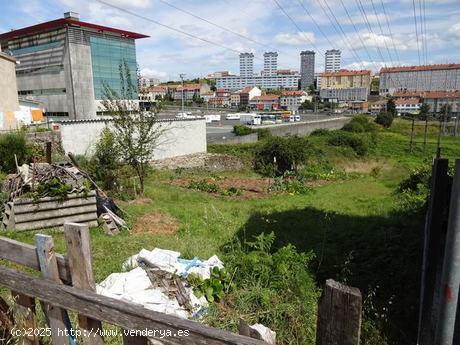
384	119
290	184
263	133
241	130
11	145
360	124
204	186
289	153
105	163
359	144
320	132
274	288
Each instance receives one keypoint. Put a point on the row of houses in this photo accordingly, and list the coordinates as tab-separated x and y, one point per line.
248	97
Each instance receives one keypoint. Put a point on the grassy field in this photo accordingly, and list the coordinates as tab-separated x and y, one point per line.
352	223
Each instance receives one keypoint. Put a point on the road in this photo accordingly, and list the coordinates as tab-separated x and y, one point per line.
224	128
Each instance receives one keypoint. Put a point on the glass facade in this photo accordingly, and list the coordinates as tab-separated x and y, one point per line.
106	56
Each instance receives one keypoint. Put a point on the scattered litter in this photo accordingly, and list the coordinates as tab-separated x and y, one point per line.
108	224
153	280
257	331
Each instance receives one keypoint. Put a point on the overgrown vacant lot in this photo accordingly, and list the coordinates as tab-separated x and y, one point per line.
351	219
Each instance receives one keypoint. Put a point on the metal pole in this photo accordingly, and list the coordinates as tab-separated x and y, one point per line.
182	75
451	268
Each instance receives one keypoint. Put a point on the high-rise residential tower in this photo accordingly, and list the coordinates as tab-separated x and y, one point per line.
270	63
332	60
246	65
307	69
65	63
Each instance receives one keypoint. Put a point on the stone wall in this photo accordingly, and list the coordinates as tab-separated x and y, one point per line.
230	138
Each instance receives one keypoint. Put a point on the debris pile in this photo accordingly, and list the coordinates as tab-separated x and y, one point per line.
154	281
36	177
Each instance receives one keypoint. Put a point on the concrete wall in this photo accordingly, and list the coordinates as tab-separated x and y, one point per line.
8	87
182	137
305	128
230	138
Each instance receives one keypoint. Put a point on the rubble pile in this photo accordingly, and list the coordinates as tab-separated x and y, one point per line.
30	177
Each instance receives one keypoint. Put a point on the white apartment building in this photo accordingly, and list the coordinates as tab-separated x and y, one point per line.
246	65
291	100
332	61
445	77
270	63
408	106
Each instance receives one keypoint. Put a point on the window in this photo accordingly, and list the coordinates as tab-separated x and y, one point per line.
107	55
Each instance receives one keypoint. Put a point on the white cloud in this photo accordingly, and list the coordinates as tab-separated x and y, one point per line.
152	73
454	31
296	39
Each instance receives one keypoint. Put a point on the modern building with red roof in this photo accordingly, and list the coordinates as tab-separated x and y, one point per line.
66	63
443	77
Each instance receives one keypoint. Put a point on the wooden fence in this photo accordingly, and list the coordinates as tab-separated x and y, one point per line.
67	284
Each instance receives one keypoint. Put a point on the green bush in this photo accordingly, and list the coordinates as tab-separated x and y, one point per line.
385	119
263	133
359	144
241	130
204	186
104	164
290	152
360	124
11	145
274	288
320	132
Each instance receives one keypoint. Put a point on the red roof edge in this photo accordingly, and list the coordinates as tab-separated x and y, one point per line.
66	21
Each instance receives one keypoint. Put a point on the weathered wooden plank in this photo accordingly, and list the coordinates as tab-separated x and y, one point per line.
49	270
81	269
26	255
25	312
134	340
339	315
117	312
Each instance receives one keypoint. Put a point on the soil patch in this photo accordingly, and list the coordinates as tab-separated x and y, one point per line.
156	223
251	187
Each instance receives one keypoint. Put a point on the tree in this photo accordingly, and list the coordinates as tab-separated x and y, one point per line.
307	105
424	109
391	107
384	119
136	132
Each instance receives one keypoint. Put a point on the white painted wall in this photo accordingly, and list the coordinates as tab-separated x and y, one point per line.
182	137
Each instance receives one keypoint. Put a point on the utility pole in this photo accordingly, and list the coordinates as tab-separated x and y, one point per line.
450	280
182	75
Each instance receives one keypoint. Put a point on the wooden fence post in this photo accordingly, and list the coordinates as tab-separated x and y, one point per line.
25	308
49	270
81	270
339	315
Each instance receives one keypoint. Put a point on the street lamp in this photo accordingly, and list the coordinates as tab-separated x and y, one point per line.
182	75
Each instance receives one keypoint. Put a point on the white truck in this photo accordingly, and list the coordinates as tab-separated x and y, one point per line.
233	116
250	119
212	118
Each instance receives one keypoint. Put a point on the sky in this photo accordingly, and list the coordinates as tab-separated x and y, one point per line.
285	26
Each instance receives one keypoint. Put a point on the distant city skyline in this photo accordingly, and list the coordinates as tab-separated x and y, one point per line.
167	53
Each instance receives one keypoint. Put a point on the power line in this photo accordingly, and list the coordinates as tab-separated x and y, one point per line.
391	34
297	26
363	11
340	32
319	27
216	25
357	33
169	27
416	32
381	31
